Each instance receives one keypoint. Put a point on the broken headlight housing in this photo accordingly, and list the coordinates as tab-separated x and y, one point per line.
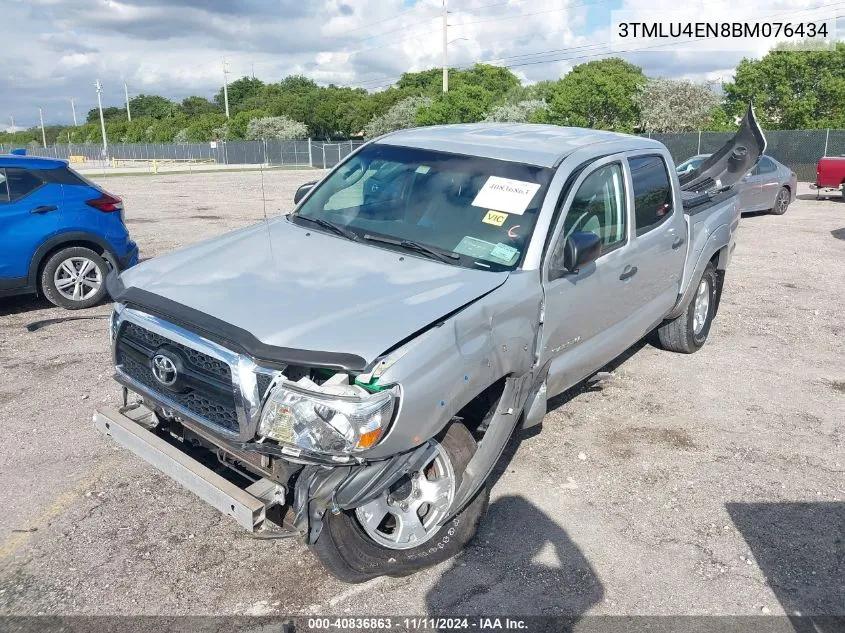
326	421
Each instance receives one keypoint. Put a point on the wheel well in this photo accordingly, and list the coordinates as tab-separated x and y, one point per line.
717	261
477	413
97	248
788	188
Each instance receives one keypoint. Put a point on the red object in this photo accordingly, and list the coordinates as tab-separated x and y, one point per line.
830	172
106	202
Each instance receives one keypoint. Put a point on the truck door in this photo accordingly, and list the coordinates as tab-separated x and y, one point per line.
29	214
658	250
584	323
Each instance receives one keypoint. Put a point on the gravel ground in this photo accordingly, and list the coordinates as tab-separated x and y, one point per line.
703	484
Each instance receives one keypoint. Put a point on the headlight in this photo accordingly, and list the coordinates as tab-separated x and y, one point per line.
115	315
325	422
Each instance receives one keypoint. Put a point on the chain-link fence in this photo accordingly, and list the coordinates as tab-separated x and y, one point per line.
799	149
317	154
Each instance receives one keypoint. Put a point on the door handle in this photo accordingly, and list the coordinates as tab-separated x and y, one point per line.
629	272
679	241
45	208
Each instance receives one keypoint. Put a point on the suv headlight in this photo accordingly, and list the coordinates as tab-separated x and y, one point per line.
325	422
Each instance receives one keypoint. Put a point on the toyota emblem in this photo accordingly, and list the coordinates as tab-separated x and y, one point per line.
164	370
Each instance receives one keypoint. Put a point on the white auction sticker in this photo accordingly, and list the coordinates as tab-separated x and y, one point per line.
504	194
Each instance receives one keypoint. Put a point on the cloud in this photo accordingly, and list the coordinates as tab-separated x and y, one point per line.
55	49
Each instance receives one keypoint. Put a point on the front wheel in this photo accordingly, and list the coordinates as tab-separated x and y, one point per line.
397	533
688	332
781	201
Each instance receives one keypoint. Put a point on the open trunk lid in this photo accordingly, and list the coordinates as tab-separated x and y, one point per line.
727	166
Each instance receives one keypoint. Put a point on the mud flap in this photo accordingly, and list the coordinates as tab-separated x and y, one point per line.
727	166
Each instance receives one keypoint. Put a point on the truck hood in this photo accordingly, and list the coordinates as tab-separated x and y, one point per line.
298	289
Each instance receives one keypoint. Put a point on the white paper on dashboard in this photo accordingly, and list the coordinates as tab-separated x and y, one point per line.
504	194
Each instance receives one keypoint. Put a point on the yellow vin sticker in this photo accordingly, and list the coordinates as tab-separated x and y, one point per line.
495	218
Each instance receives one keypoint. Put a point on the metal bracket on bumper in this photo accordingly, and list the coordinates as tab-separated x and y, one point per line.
247	506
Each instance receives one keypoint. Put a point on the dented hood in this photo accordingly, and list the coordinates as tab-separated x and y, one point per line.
293	288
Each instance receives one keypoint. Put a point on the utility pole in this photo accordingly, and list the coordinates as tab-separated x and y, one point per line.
126	94
73	110
253	71
444	13
12	117
99	88
226	86
43	136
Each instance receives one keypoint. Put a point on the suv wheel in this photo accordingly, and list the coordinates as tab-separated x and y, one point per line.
74	278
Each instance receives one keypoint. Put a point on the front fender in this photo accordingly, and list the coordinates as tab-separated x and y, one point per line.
459	358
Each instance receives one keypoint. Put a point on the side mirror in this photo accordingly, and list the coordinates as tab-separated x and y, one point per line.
303	190
579	249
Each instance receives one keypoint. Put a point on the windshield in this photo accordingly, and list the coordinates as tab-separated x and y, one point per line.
690	164
478	211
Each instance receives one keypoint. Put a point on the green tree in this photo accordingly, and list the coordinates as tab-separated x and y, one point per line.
598	94
669	105
239	91
204	128
153	106
791	89
112	113
465	104
276	127
196	106
238	124
401	116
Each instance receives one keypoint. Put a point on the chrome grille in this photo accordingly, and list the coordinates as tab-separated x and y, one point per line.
217	387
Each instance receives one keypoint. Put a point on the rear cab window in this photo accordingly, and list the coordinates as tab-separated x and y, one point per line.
652	192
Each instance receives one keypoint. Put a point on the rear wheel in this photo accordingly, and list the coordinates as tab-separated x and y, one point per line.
74	278
397	533
781	201
688	332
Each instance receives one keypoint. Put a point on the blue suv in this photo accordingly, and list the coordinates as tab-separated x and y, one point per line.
60	234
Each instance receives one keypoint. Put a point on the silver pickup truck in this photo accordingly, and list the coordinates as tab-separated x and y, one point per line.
351	372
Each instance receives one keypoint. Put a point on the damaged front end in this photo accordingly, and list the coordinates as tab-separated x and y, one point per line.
273	447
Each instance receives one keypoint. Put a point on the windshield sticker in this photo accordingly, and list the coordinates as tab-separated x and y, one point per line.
474	247
504	194
504	253
480	249
423	169
495	218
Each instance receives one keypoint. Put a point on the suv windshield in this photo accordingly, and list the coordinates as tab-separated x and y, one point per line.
476	212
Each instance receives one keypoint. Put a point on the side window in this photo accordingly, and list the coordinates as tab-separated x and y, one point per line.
599	207
652	192
766	166
4	187
21	182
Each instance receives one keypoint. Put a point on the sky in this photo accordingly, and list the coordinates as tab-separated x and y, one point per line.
54	50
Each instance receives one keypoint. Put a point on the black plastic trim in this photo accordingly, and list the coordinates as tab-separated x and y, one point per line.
227	334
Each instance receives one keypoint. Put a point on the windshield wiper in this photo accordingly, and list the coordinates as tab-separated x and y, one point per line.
445	257
334	228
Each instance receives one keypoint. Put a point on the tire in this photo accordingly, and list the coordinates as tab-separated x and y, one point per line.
58	274
350	554
782	201
688	332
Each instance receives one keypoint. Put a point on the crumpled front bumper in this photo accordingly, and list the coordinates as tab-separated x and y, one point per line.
317	488
247	506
